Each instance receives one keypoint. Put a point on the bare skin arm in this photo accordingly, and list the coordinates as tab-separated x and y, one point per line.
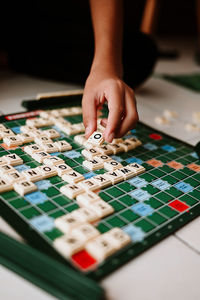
104	82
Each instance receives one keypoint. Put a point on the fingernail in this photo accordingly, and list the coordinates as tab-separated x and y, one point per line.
110	137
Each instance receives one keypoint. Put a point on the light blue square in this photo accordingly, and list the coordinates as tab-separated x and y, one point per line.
21	168
89	175
183	187
194	154
133	131
161	184
140	195
72	154
16	129
168	148
43	184
138	182
36	197
134	160
55	153
142	209
136	233
42	223
150	146
117	158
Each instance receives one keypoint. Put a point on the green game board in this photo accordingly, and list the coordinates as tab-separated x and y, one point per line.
148	207
190	81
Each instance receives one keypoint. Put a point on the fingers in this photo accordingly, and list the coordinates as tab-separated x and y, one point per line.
122	110
115	100
131	114
89	106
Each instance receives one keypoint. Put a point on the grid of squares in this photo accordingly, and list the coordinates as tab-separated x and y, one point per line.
120	196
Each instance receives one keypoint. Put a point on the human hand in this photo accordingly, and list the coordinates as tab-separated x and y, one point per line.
102	86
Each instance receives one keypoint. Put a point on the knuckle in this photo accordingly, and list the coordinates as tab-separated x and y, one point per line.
120	84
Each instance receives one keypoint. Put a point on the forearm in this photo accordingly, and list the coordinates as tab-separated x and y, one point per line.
107	18
104	83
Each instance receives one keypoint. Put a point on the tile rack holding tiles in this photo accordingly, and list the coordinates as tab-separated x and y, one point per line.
97	205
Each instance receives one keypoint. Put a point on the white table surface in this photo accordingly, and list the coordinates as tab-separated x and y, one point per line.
169	270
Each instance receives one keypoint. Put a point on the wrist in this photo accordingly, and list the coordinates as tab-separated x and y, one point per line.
108	65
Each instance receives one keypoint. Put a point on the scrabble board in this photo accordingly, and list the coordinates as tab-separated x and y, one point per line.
190	81
93	225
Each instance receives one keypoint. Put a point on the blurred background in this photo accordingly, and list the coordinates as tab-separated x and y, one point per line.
54	40
37	29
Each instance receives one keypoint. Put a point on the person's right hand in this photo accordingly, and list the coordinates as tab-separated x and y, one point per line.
103	86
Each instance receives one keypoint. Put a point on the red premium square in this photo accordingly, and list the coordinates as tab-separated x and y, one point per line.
155	136
178	205
84	260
